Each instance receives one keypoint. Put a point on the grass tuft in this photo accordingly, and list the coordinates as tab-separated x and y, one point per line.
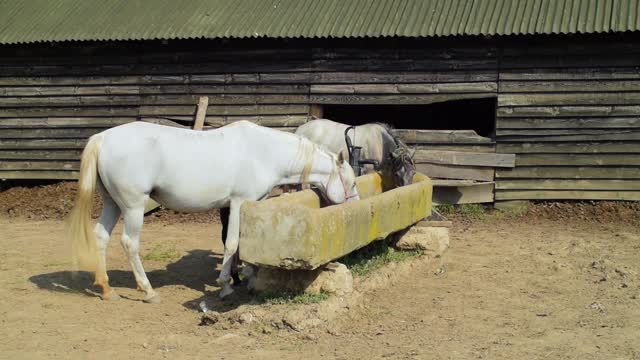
469	211
364	261
162	253
286	297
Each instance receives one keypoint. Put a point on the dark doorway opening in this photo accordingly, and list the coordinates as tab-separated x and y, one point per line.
471	114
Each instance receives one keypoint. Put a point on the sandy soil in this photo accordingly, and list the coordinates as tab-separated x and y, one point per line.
512	289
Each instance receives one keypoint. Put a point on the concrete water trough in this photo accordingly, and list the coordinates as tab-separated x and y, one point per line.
293	231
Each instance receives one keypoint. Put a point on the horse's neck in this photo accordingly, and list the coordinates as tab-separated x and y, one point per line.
311	165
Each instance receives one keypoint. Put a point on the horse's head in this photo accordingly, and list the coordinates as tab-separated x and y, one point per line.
342	183
403	168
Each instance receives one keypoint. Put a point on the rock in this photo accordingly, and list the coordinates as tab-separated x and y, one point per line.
300	320
333	278
434	241
247	318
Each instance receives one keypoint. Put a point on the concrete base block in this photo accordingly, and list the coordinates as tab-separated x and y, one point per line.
333	278
434	241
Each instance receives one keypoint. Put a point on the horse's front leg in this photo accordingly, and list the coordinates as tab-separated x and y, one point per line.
224	220
230	248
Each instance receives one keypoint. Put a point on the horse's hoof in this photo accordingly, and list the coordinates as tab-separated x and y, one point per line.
155	299
112	296
226	291
236	280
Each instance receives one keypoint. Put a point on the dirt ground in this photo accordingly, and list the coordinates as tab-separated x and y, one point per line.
528	287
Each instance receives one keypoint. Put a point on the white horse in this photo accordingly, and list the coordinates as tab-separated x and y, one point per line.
189	171
377	141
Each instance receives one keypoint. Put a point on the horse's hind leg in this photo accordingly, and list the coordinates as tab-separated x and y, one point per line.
133	219
104	227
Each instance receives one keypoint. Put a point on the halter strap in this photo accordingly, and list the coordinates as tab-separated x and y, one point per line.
344	187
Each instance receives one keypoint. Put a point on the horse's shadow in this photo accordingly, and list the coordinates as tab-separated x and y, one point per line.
196	270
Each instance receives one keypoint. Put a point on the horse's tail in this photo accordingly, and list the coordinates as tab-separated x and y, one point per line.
79	229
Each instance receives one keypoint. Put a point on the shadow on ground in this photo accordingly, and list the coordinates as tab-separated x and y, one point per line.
196	270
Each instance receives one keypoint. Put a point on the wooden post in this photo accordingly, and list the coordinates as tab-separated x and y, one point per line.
198	124
201	114
315	111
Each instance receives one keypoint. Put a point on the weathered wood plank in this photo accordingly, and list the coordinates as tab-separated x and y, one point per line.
16	91
565	184
40	165
256	66
482	193
168	110
566	60
50	101
39	174
506	133
271	121
567	123
612	135
568	111
49	154
300	79
567	99
166	99
584	73
44	133
577	86
593	159
456	172
35	144
586	148
566	195
444	88
464	158
68	122
40	112
404	77
394	99
413	136
569	172
481	148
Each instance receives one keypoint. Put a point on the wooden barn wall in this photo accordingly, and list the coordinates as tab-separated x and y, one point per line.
571	113
568	107
53	98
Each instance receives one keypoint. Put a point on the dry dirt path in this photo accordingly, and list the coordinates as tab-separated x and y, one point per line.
512	289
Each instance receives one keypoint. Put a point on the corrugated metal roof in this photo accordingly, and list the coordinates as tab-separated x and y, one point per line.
63	20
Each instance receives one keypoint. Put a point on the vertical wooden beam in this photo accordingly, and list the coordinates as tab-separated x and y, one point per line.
316	111
201	114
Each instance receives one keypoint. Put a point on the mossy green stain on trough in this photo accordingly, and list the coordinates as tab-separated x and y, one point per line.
293	232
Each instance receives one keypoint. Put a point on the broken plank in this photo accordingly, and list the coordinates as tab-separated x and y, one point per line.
464	158
482	193
455	172
412	136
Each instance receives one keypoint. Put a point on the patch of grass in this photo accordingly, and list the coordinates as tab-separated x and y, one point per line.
469	211
162	253
286	297
364	261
